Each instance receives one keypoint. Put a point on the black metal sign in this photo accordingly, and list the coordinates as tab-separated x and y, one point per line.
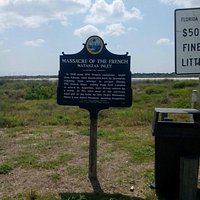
94	77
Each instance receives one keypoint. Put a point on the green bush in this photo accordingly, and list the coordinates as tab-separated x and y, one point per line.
59	120
10	121
5	168
144	152
26	160
183	84
2	82
154	90
181	103
40	91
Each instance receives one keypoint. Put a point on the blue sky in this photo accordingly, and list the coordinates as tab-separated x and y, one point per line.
33	33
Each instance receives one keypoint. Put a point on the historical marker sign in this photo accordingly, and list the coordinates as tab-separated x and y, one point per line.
187	41
94	77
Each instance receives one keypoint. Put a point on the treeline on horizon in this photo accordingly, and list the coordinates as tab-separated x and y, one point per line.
133	75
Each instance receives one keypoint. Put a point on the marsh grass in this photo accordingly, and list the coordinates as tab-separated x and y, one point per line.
18	110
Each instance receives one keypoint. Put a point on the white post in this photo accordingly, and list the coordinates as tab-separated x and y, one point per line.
194	98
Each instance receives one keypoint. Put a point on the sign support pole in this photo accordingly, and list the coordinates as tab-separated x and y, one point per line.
92	171
93	145
199	91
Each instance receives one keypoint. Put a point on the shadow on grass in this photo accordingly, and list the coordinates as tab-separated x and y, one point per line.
98	194
96	185
93	196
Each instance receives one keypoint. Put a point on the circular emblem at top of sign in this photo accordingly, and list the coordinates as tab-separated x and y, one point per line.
94	44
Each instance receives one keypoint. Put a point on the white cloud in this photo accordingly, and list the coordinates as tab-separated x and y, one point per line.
33	13
114	30
8	20
86	31
34	43
4	2
132	29
34	21
164	41
116	12
6	51
110	30
182	3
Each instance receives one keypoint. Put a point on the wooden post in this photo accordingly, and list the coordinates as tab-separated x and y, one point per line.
93	149
194	101
92	171
194	98
188	177
93	145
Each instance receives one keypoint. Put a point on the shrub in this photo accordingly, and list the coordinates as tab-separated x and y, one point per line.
154	90
2	82
183	84
39	92
59	120
144	152
5	168
11	121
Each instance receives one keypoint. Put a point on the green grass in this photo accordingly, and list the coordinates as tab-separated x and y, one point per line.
25	160
39	127
18	110
39	159
64	196
55	177
5	168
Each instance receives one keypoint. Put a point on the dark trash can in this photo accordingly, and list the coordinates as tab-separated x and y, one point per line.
172	141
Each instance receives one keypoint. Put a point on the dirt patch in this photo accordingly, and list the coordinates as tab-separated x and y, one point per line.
116	173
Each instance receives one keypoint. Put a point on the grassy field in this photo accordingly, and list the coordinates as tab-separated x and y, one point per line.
44	146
